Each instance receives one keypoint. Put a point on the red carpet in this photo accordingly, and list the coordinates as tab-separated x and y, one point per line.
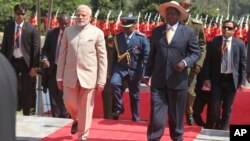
241	108
240	114
145	106
111	130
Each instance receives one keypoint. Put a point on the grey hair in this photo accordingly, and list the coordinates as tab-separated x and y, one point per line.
85	7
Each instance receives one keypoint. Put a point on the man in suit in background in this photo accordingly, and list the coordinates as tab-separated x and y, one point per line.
174	48
8	100
50	54
225	72
132	50
21	46
81	69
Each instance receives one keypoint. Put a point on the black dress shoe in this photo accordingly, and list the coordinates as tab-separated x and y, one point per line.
74	127
116	114
190	121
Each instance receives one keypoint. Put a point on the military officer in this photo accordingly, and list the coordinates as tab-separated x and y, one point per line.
195	69
132	50
107	95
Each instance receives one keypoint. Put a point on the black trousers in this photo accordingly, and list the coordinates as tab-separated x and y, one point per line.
107	100
56	97
201	100
25	91
220	103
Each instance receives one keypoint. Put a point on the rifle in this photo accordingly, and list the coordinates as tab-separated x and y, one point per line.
246	25
118	20
148	21
97	13
57	13
217	18
145	17
107	21
138	21
232	19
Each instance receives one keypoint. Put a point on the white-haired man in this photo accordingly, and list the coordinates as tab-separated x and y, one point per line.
82	69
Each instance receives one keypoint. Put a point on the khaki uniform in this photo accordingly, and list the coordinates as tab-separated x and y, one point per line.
198	27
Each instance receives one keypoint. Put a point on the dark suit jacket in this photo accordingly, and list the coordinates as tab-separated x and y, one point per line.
212	66
8	100
30	43
164	57
48	52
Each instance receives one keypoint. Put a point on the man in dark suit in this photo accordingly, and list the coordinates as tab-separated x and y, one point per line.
174	48
132	50
21	46
49	61
8	100
225	72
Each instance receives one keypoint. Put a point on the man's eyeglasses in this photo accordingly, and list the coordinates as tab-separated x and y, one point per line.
20	14
227	27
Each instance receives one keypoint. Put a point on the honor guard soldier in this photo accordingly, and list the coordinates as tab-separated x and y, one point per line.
132	50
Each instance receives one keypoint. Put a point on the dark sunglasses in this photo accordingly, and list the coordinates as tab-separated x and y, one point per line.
20	14
228	28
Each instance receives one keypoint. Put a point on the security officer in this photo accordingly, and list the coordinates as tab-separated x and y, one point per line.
195	69
132	50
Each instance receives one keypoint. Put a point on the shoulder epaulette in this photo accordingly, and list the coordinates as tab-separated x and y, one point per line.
140	33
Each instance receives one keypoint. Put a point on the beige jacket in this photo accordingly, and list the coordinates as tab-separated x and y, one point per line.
82	57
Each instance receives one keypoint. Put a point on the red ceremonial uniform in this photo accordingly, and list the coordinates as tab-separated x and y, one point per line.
95	22
33	21
53	23
115	27
147	30
208	34
45	21
105	27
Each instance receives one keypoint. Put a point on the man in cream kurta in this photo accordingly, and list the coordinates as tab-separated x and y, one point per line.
82	69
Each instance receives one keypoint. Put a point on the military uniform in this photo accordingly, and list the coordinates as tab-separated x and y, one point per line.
131	55
194	70
107	95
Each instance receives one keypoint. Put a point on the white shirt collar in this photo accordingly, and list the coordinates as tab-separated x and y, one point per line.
174	27
21	24
229	39
130	36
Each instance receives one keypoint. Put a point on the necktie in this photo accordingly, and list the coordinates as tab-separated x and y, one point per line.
127	39
224	47
17	36
58	46
224	54
169	34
